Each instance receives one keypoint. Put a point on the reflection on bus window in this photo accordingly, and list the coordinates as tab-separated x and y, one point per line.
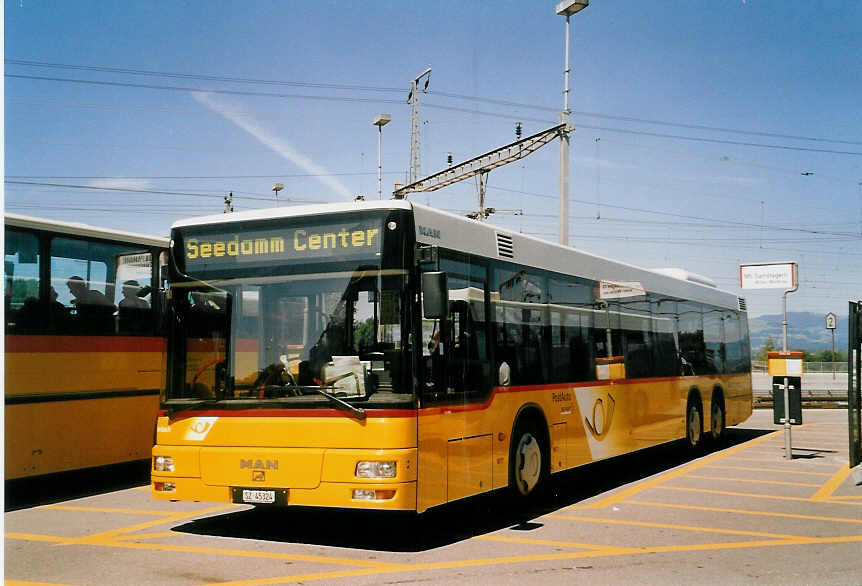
24	313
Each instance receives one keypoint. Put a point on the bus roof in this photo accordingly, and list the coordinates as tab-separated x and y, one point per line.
77	229
448	230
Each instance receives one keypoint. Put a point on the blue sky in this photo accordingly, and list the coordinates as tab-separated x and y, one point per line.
707	116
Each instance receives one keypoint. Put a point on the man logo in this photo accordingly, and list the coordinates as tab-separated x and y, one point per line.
602	418
258	475
258	464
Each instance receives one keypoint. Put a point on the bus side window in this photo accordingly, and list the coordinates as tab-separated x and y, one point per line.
134	293
83	276
24	312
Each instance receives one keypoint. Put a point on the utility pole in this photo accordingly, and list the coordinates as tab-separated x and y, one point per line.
566	8
416	125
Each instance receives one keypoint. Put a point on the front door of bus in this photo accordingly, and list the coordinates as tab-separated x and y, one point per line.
454	446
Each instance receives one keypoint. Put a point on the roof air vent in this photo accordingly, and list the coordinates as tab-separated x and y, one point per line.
741	301
505	246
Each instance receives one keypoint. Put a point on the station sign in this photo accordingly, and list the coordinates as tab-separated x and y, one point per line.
831	321
768	276
620	289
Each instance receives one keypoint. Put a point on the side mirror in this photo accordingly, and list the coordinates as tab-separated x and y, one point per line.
435	295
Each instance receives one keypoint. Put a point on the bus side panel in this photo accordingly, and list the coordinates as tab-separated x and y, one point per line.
739	401
47	365
79	401
59	436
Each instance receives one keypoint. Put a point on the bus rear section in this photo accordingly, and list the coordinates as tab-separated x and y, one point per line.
289	374
83	354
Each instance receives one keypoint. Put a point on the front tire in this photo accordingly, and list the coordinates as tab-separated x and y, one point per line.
528	462
693	425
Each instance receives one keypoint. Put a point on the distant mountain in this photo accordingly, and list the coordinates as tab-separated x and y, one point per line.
805	331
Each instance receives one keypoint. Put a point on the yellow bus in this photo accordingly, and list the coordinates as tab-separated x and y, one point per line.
83	354
386	355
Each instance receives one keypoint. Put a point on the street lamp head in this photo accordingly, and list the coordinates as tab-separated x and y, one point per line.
277	187
382	119
570	7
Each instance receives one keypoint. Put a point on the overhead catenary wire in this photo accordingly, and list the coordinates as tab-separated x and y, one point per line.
438	106
394	90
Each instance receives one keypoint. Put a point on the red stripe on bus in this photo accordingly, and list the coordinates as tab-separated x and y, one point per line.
57	344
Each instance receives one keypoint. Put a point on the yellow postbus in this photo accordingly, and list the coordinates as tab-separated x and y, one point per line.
83	354
386	355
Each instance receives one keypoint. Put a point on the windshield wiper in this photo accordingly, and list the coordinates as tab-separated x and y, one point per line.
357	412
186	407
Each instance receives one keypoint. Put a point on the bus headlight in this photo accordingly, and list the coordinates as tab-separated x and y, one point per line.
163	464
375	469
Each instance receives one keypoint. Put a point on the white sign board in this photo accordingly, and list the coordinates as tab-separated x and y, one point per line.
768	276
620	289
831	321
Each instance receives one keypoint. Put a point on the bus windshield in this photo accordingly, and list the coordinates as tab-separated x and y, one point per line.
288	334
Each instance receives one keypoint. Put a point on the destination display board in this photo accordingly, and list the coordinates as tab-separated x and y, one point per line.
236	245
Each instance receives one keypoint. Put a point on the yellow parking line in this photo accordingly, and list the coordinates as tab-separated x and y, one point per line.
841	498
831	485
23	583
308	577
98	537
745	512
149	535
590	546
459	564
777	459
247	553
732	493
752	469
681	471
673	526
752	480
35	537
107	510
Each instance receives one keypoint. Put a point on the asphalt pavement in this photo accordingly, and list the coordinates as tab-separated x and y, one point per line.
739	513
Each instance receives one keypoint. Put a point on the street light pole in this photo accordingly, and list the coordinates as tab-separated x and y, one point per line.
276	188
566	8
380	121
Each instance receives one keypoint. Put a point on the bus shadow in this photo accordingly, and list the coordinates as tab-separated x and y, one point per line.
397	532
48	489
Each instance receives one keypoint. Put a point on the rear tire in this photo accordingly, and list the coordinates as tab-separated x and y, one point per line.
717	420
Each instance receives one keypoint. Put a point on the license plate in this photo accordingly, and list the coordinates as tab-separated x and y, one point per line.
258	497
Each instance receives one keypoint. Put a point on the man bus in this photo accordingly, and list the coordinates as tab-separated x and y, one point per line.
386	355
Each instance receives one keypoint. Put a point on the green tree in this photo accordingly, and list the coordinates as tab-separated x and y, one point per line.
763	354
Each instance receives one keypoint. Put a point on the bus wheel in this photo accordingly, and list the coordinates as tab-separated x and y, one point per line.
693	424
716	426
527	461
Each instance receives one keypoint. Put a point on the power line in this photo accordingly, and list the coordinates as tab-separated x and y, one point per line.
689	217
202	90
133	190
196	177
653	134
438	106
203	77
480	99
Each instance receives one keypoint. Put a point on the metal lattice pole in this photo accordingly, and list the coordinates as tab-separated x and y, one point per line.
416	125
